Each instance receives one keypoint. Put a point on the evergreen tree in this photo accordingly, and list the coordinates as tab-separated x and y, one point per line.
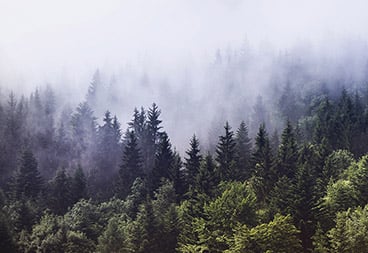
28	182
164	162
193	161
262	163
243	152
226	155
107	152
79	185
94	90
60	194
206	179
83	130
131	167
288	154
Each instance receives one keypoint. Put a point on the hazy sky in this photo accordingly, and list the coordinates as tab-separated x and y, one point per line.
39	38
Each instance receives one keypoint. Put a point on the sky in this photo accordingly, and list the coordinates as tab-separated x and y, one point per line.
62	43
40	39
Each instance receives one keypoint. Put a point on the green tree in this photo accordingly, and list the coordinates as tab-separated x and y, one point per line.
278	236
131	166
60	194
164	162
78	185
350	232
226	155
262	164
193	161
28	182
243	151
288	153
236	204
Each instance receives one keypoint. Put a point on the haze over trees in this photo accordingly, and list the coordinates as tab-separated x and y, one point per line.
73	180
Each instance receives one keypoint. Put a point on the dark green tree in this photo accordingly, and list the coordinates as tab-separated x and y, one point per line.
243	152
60	193
131	167
226	155
288	153
193	161
163	163
78	185
262	164
28	182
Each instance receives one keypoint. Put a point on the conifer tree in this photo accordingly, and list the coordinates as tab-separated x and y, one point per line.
226	155
206	179
28	182
287	156
163	163
243	152
262	163
151	137
79	185
131	167
60	194
193	161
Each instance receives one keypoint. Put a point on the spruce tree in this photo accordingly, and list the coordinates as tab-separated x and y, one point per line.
193	161
151	137
262	164
79	185
60	194
206	180
243	152
131	167
262	156
288	153
28	182
226	155
163	163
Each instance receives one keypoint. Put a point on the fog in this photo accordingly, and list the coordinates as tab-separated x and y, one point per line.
203	62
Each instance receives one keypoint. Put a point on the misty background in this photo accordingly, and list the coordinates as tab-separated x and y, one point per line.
203	62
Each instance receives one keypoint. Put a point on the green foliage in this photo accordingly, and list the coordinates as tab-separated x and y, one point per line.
113	239
262	164
86	218
226	155
28	182
288	153
193	161
131	166
52	234
235	205
164	163
350	232
243	152
277	236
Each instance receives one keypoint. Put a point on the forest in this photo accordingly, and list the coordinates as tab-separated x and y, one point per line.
71	183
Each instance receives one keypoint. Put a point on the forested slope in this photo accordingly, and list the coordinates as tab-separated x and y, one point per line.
71	184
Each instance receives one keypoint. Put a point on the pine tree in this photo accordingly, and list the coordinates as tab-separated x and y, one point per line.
226	155
151	137
288	154
193	161
60	194
83	129
243	152
79	185
163	163
262	163
206	180
28	182
94	89
131	167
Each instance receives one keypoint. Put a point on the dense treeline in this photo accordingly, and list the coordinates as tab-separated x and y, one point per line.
71	184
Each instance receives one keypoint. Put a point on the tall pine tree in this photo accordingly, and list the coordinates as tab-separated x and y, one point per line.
226	155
